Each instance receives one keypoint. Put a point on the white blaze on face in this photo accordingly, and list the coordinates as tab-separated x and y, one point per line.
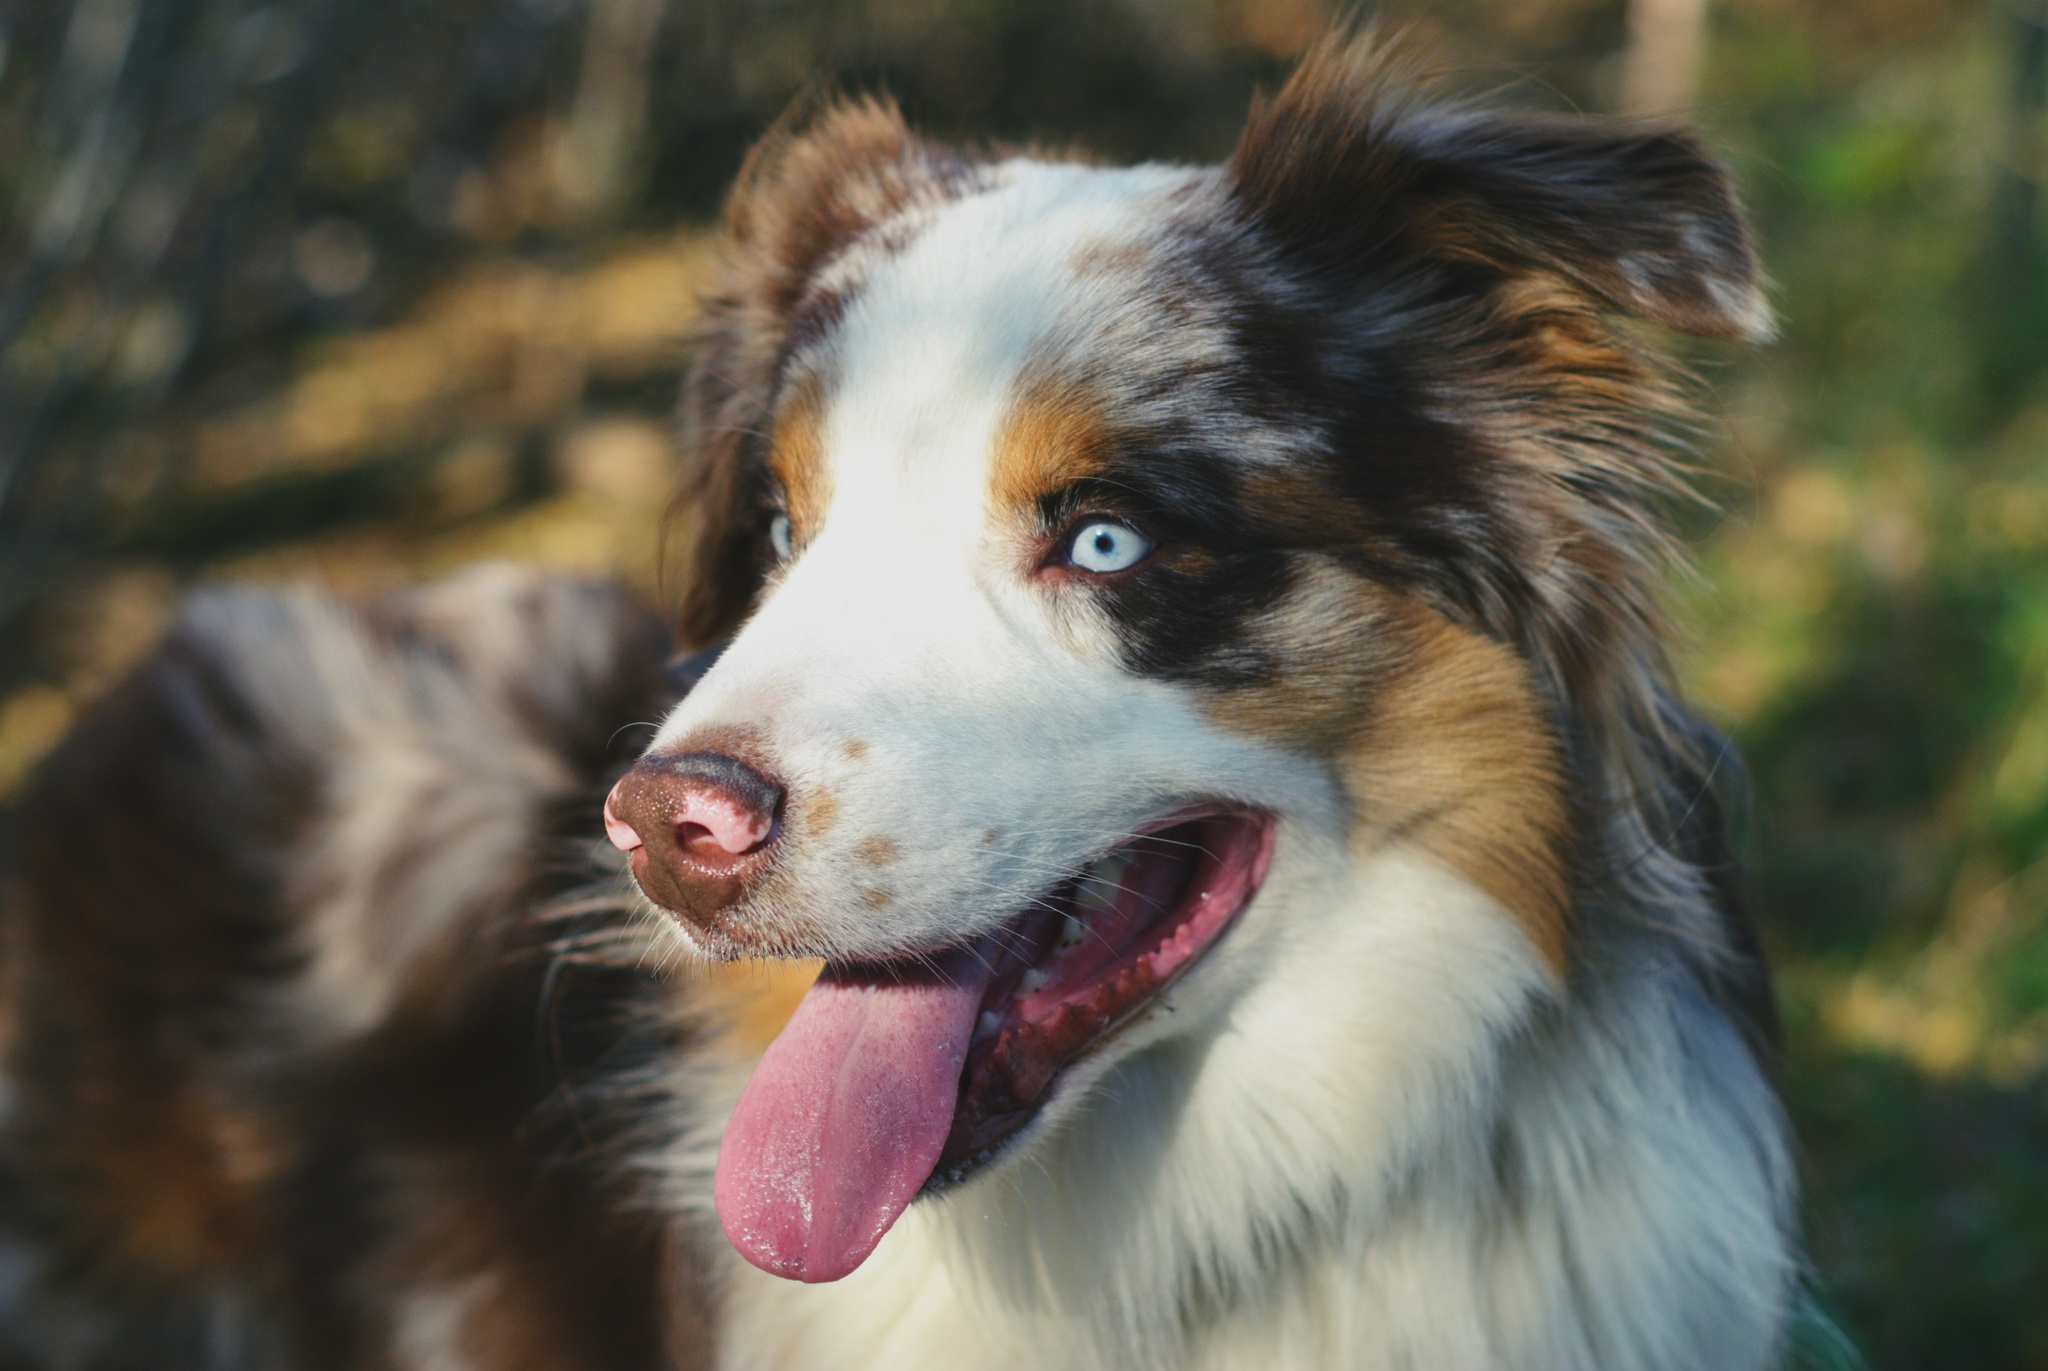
964	718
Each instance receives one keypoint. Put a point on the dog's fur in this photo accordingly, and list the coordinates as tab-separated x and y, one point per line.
323	1052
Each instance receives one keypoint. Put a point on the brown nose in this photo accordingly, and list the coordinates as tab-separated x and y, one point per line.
695	827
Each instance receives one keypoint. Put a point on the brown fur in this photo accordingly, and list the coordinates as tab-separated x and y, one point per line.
820	810
1051	438
1437	735
1457	758
796	457
1534	232
879	850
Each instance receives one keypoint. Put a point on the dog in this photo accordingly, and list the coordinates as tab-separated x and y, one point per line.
1179	849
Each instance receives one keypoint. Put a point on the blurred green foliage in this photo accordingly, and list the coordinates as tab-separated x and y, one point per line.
363	288
1877	628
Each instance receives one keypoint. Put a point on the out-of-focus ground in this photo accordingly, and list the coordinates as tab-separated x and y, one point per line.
359	290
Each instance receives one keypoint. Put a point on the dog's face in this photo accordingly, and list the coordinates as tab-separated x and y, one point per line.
999	499
1118	563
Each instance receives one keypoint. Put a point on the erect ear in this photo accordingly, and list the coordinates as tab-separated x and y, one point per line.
813	187
1353	166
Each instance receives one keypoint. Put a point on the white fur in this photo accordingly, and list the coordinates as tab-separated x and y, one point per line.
440	778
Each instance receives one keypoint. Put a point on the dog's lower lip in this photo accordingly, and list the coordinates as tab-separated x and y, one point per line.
1057	995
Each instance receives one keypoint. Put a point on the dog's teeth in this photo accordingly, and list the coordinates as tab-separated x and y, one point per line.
988	1023
1100	884
1030	981
1072	931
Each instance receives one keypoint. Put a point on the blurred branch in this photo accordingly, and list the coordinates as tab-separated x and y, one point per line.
594	157
1661	69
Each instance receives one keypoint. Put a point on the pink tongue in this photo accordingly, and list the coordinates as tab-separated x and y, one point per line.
844	1120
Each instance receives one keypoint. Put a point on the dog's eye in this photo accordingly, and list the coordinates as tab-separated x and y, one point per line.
1102	547
778	536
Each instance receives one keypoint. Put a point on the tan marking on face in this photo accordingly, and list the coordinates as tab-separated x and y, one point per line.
1052	437
820	812
1436	733
751	1001
1459	758
796	454
879	850
854	748
874	897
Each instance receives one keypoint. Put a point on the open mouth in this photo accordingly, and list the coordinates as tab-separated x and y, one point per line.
907	1075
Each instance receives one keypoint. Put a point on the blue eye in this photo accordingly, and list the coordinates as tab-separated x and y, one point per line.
778	537
1103	546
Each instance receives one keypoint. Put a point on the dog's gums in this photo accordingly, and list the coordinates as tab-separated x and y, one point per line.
905	1076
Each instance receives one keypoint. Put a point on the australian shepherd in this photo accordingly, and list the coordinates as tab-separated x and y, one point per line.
1177	846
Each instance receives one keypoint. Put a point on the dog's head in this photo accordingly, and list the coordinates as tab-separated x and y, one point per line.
1116	561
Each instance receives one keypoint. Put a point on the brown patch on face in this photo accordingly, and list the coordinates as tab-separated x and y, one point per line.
877	851
796	455
820	812
1436	733
1052	437
874	897
854	748
752	1000
1458	757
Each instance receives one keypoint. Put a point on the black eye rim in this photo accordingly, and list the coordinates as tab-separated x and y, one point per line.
1063	513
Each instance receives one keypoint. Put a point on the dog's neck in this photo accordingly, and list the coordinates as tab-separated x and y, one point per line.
1600	1184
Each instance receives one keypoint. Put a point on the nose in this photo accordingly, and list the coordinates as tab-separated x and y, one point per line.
695	826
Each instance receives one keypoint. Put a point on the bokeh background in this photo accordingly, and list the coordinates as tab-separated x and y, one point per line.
360	290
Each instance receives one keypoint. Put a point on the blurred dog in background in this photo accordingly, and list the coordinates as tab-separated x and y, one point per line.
1189	671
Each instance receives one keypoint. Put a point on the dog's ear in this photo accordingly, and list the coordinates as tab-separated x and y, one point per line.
1353	170
817	182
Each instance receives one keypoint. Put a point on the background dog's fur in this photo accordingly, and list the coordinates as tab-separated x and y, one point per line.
295	1020
317	1059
